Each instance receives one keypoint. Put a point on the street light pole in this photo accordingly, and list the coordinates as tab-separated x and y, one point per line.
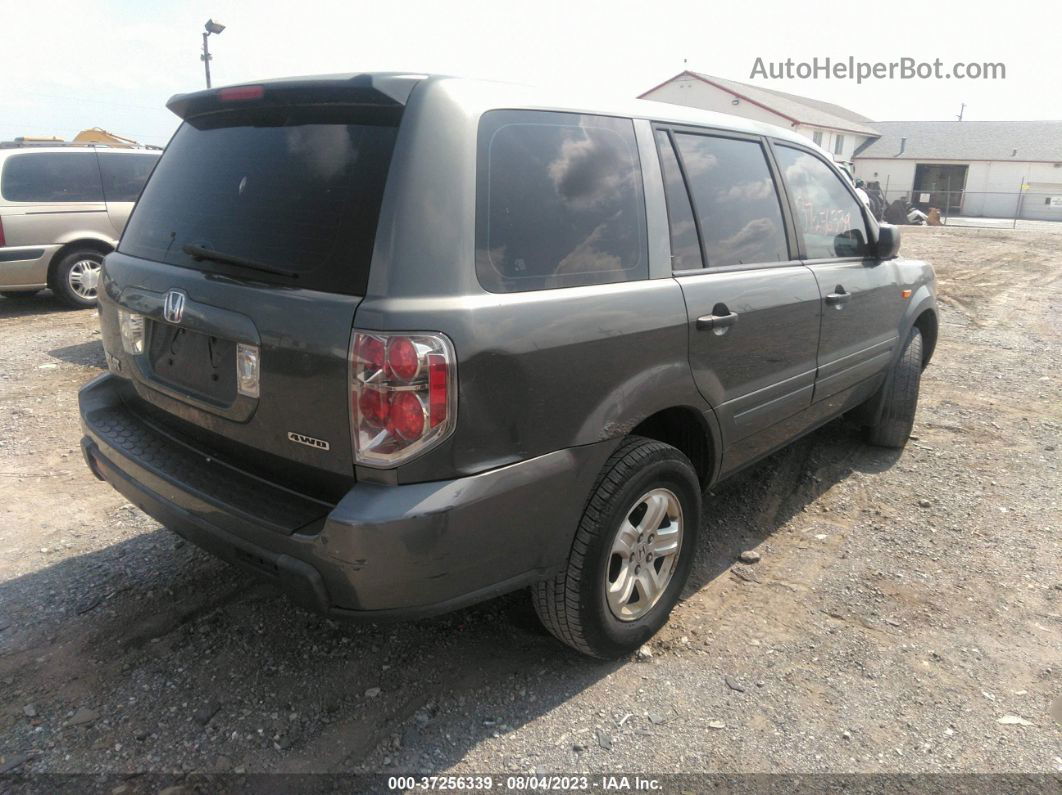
205	57
210	27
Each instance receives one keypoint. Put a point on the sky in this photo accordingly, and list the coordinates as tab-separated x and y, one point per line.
67	64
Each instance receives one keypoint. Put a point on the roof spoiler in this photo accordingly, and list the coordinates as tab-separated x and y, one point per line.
379	90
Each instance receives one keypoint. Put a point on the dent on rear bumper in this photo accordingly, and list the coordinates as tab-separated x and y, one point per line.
25	267
383	551
429	543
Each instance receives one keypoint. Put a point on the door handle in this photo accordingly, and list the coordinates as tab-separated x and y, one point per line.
716	321
838	297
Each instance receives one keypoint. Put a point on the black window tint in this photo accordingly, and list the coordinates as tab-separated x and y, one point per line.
559	201
685	245
827	214
51	177
735	200
295	189
124	175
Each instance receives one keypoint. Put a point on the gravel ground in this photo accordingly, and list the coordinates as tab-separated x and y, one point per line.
904	616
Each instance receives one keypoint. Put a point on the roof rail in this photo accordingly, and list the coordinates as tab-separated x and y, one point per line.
36	143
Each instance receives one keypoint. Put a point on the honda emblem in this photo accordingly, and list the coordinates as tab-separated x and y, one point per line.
173	308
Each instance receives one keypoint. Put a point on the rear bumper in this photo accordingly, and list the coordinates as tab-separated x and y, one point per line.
382	552
25	267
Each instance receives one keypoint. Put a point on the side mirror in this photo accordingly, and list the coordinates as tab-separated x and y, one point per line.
888	241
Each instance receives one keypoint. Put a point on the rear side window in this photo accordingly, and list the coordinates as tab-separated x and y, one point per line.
559	201
735	199
828	215
685	245
296	190
124	175
51	177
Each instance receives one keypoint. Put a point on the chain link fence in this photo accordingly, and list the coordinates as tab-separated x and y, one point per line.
1024	209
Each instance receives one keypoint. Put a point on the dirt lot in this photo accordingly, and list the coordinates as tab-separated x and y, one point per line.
905	616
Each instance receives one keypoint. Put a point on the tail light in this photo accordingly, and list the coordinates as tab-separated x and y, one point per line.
403	395
3	242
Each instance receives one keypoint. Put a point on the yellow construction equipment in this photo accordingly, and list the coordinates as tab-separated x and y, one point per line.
93	136
97	135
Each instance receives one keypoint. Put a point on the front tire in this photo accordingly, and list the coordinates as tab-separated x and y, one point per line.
76	278
901	397
632	553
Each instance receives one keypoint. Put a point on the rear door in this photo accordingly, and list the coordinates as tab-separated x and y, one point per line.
124	175
753	309
51	197
251	243
861	300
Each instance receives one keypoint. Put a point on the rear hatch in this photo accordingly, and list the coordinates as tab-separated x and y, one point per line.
250	248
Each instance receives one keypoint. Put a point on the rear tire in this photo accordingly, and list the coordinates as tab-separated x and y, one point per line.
75	278
19	294
645	503
901	397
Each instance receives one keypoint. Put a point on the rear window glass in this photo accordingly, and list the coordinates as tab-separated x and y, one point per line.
124	175
735	200
685	245
296	190
51	177
559	201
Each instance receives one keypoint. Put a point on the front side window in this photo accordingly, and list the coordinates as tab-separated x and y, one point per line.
826	213
735	200
50	177
559	201
124	175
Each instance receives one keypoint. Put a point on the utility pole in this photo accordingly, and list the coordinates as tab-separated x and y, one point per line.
205	58
962	110
210	27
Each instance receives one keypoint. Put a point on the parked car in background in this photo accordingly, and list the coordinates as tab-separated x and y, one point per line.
62	209
402	343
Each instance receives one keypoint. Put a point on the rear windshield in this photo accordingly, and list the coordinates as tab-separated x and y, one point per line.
296	190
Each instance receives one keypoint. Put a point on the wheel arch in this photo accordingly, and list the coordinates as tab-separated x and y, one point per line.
687	429
90	243
927	324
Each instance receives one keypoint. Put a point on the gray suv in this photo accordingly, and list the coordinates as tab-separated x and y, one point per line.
402	343
62	209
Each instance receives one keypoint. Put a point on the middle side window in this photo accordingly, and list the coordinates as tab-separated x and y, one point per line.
735	200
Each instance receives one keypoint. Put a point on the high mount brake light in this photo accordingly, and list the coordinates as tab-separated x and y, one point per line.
403	395
240	93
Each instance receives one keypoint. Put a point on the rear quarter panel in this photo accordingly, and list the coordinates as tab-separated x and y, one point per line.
542	371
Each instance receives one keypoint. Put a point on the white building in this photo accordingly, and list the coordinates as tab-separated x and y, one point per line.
994	169
835	129
1000	169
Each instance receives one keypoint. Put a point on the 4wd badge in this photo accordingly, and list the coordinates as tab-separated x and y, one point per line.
309	441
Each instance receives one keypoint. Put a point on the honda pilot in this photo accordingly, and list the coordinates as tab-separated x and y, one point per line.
402	343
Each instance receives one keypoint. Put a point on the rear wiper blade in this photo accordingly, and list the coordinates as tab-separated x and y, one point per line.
201	253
